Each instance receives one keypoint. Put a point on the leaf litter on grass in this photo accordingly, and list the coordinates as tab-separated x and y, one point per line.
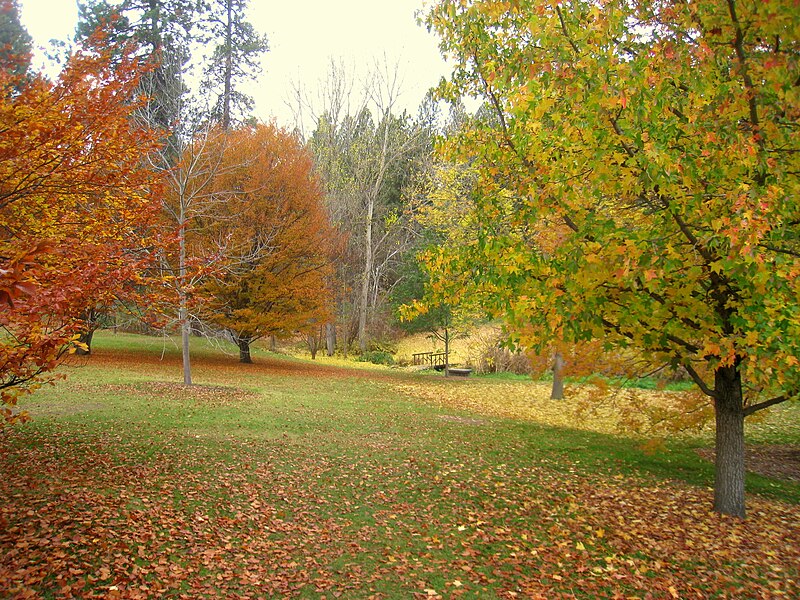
82	523
132	510
601	409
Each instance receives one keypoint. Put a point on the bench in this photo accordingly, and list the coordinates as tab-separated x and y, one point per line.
459	372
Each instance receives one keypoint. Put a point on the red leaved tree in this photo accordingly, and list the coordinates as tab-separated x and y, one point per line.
77	208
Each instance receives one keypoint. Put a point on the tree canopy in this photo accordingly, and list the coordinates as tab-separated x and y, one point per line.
15	41
274	235
77	208
639	185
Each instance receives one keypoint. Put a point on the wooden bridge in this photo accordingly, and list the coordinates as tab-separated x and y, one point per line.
432	359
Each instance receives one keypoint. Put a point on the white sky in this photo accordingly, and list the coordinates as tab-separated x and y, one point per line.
304	36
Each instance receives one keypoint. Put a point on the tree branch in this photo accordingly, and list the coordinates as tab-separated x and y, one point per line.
762	405
566	33
699	381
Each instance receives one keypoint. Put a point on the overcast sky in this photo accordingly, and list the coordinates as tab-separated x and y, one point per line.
304	36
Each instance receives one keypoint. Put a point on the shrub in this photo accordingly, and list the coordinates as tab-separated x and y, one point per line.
377	357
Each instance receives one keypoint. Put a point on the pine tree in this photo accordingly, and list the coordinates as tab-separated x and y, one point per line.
234	59
15	41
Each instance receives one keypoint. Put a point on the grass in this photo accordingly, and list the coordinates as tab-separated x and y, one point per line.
288	478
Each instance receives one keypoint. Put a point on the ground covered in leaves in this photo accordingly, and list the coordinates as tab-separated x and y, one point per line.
288	480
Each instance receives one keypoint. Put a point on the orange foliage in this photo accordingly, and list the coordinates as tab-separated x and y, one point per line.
76	207
275	235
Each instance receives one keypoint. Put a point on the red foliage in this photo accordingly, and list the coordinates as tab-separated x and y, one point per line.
76	206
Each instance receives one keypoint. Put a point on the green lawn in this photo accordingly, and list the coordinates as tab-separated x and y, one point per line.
287	478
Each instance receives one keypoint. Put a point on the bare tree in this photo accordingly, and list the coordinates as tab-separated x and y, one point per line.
363	150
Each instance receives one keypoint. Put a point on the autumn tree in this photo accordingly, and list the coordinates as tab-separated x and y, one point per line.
651	154
276	238
161	33
77	210
188	203
441	210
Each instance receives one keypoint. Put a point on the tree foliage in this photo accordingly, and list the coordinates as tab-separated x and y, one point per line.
366	154
234	59
77	208
639	185
161	33
274	235
443	217
15	41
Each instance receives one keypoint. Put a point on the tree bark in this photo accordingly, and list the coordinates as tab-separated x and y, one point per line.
369	251
183	307
729	498
244	350
557	393
85	338
90	318
226	95
186	332
446	352
330	338
366	277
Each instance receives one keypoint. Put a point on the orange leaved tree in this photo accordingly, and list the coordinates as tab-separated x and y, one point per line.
76	208
276	238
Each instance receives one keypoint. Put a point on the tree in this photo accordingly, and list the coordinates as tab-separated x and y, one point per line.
366	155
161	32
15	41
189	200
640	186
441	212
277	239
235	58
77	208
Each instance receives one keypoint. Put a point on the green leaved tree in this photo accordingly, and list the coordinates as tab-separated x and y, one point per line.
234	59
639	185
15	41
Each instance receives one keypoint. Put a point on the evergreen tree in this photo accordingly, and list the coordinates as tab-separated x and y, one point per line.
161	29
15	42
234	59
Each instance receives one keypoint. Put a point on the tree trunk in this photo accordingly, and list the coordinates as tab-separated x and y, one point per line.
446	352
85	338
330	338
557	393
244	350
226	94
186	332
90	318
183	307
369	252
730	467
365	278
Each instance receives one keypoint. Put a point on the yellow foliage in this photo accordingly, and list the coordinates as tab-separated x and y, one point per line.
584	407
